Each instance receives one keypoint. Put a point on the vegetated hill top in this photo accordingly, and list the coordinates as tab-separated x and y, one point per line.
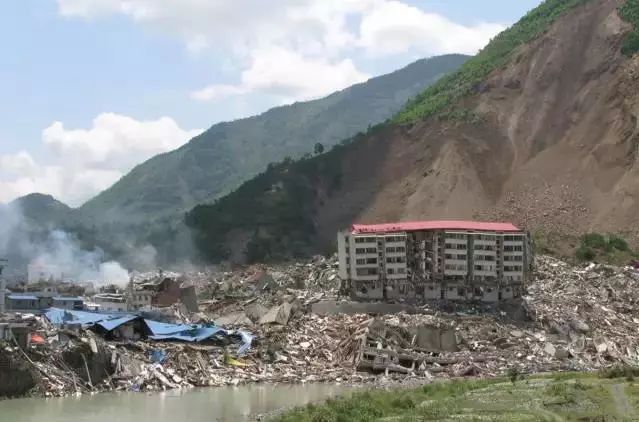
40	208
539	129
227	154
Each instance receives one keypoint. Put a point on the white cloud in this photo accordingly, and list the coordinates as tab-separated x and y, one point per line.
83	162
394	27
20	163
321	38
283	73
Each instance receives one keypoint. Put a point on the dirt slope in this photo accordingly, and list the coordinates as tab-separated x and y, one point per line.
555	150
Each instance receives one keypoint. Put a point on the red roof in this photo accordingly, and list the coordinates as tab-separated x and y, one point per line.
433	225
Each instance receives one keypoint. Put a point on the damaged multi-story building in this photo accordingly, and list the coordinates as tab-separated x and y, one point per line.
435	260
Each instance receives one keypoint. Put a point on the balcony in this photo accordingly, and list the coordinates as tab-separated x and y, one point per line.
485	273
485	242
456	241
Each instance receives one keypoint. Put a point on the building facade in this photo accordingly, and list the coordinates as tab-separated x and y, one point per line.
435	260
39	301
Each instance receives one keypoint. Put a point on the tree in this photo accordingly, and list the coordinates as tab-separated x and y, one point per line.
319	148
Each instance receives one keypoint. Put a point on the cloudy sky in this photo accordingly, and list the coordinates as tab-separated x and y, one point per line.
90	88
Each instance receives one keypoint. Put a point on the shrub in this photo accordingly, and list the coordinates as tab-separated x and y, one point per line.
585	253
594	240
619	371
618	243
610	248
629	12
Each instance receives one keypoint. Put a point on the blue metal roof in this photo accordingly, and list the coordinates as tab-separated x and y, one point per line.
158	330
22	297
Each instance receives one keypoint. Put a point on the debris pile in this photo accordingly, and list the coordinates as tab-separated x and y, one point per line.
572	318
318	276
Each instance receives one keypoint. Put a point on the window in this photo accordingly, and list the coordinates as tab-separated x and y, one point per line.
401	249
449	256
364	239
371	250
517	248
366	271
461	291
361	261
390	250
360	251
371	261
390	271
401	271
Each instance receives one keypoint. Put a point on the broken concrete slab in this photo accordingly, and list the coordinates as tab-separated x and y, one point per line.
333	307
278	314
233	319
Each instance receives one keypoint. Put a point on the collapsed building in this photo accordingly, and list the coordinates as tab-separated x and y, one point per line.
435	260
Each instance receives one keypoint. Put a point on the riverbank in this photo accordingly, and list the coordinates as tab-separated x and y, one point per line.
567	396
220	404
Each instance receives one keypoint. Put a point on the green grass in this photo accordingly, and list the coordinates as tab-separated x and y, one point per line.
440	98
537	398
629	12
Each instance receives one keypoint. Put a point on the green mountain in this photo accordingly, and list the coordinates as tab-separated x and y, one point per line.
462	148
44	210
220	159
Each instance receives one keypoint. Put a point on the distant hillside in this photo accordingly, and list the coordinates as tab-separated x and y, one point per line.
44	210
540	128
227	154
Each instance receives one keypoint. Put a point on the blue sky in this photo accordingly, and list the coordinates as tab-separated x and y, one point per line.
108	70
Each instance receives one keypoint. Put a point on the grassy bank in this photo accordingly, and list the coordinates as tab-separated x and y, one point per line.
562	397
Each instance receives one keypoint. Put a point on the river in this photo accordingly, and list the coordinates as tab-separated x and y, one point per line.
198	405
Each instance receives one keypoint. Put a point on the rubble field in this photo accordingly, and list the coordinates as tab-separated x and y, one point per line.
571	319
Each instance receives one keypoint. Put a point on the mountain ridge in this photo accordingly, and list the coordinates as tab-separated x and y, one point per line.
547	139
221	158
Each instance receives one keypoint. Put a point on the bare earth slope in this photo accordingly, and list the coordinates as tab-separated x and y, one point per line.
555	148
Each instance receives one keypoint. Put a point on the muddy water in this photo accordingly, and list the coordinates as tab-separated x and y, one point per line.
202	405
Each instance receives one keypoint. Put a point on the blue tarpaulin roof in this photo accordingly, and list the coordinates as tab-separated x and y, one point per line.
112	324
163	328
158	330
63	316
191	335
22	297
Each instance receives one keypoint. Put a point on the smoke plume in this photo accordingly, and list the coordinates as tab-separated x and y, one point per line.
25	243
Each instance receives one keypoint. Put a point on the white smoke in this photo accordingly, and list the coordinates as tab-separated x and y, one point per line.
54	251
